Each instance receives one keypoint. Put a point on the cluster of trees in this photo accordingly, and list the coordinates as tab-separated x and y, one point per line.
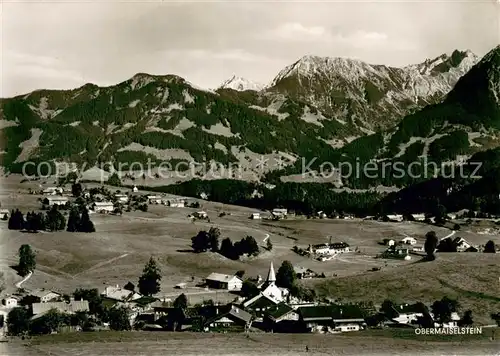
79	220
53	221
209	241
206	241
246	246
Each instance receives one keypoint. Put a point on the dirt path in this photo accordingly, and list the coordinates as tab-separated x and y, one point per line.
100	264
20	283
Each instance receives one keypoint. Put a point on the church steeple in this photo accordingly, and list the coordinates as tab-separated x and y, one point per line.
271	277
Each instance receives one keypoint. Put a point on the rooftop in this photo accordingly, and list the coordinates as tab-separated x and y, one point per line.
219	277
71	307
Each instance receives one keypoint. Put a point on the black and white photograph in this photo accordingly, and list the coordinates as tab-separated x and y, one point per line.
249	177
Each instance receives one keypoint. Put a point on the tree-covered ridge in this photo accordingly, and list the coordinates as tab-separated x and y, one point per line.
95	125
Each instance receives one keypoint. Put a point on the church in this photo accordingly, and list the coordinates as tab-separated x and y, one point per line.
270	295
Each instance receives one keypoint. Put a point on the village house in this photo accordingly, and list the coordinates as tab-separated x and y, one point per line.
332	318
56	200
224	281
395	217
397	252
279	213
45	295
282	318
52	190
200	215
134	189
72	307
154	199
302	272
232	319
331	248
321	215
453	323
255	216
260	305
103	207
122	198
461	244
418	217
10	301
408	240
408	313
177	203
120	294
4	214
389	242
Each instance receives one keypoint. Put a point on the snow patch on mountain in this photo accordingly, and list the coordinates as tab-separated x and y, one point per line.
240	84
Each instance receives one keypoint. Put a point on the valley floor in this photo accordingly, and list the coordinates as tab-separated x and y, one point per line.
373	342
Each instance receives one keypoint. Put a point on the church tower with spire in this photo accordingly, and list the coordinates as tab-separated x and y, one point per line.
271	277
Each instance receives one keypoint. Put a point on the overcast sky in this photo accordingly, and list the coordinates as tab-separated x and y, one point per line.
66	44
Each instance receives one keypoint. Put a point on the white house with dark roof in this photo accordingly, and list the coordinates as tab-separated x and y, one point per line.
4	214
63	307
408	240
224	281
45	295
57	200
103	207
120	294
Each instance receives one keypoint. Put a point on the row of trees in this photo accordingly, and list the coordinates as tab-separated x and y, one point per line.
53	220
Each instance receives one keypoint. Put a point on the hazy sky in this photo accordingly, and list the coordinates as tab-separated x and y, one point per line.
62	44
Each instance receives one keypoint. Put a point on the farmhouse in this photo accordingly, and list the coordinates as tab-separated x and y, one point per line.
282	318
154	199
408	313
408	240
70	308
200	215
279	213
461	244
303	272
177	203
45	295
120	294
255	216
56	200
103	207
10	302
4	214
232	319
397	252
332	318
122	198
331	249
418	217
395	217
52	190
224	281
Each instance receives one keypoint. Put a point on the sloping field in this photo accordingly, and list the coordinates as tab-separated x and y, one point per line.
472	278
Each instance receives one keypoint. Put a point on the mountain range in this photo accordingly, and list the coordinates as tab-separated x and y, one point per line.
329	109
